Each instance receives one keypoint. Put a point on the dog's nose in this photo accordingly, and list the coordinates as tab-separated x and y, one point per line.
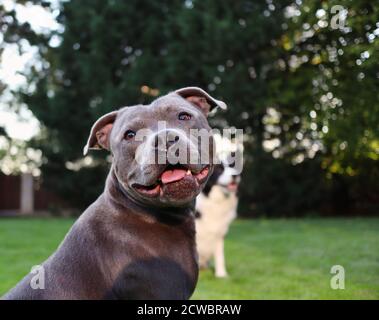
171	141
164	140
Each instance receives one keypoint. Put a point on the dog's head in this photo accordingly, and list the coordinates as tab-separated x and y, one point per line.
225	177
156	157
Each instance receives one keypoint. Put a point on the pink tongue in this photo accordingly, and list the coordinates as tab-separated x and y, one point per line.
173	175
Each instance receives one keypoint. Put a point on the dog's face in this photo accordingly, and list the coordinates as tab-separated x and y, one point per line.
223	176
230	179
156	159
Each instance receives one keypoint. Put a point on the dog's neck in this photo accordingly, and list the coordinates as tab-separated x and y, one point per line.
121	198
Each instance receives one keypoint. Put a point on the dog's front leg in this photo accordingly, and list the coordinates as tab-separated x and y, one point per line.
220	269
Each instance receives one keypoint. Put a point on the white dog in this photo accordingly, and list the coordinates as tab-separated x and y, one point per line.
216	208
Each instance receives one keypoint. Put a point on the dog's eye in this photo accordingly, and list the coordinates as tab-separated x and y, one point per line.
184	116
129	134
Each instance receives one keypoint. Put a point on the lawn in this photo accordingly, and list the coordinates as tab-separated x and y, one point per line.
266	259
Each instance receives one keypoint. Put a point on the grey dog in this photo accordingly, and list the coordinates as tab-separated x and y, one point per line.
137	240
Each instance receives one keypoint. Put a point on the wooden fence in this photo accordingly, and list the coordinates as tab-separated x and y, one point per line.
25	194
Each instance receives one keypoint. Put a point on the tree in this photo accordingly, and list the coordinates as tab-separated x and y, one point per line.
111	55
275	63
13	32
331	86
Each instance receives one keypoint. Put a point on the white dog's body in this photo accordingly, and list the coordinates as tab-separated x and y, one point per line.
216	211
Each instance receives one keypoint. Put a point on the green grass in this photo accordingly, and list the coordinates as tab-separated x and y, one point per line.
266	259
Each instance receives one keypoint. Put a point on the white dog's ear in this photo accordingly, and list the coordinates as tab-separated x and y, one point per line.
197	96
100	132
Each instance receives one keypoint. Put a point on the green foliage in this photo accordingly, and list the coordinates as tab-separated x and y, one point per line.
12	32
331	84
309	109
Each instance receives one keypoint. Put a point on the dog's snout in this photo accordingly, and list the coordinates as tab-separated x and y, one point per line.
172	141
157	141
164	140
170	146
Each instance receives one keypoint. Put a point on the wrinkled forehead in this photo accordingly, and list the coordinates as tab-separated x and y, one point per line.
158	110
171	101
129	114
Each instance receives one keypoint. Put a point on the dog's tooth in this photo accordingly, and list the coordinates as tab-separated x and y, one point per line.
188	173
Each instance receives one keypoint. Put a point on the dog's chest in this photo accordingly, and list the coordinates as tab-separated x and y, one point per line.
218	203
159	263
217	211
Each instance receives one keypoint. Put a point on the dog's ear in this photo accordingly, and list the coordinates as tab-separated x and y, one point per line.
100	132
200	99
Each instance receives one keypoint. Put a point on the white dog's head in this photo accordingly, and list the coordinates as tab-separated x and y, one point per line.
225	177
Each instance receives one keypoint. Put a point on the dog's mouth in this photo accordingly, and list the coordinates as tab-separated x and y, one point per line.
176	180
232	186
